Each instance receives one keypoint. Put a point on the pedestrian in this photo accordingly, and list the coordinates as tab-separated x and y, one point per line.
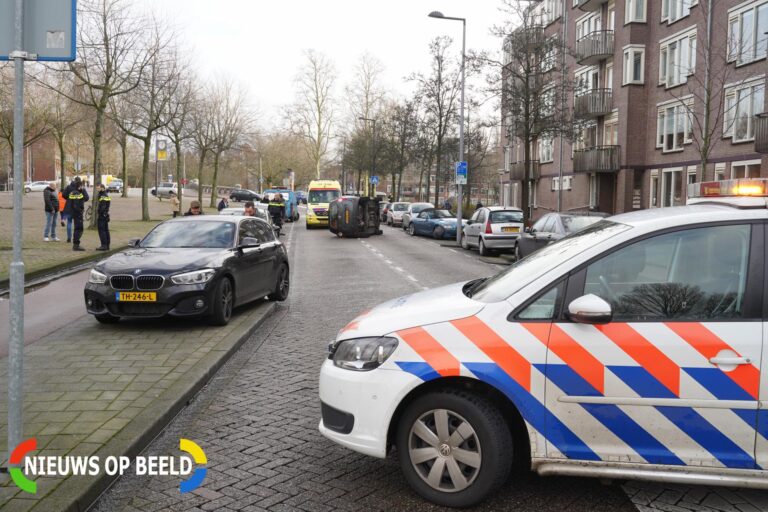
194	209
102	221
447	204
250	209
175	204
76	200
62	205
276	210
67	212
51	203
478	205
223	203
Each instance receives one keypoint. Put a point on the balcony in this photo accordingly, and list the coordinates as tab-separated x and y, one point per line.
517	170
594	47
593	103
761	133
531	36
597	159
591	5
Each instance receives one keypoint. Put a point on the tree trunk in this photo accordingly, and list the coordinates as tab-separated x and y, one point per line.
179	172
200	165
216	156
63	180
124	163
144	176
438	155
421	183
359	180
524	200
97	129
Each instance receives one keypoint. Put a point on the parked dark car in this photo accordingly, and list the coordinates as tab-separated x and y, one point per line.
435	223
193	266
243	194
552	227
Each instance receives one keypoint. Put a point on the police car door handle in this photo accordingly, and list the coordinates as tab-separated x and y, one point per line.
730	360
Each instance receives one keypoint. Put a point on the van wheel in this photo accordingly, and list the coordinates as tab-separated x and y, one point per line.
454	447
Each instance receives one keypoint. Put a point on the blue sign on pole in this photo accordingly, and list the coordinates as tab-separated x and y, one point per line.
461	173
50	30
374	180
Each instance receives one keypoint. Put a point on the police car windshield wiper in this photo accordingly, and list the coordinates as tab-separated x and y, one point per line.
472	286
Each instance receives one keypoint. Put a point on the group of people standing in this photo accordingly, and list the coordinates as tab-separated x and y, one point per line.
70	203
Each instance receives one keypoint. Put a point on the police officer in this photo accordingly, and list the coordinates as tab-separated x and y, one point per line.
276	209
102	221
76	200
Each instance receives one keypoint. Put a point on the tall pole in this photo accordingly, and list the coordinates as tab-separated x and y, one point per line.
261	177
563	107
373	159
16	340
461	129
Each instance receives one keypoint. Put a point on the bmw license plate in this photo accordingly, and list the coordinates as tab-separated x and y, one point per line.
510	230
136	296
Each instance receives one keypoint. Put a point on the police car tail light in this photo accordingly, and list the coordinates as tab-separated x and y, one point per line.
97	277
362	354
749	187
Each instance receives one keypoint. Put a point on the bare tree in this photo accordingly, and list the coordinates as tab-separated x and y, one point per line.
179	127
440	92
229	123
401	131
201	126
37	111
312	113
146	108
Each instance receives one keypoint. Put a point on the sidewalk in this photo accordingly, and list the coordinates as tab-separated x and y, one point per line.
93	389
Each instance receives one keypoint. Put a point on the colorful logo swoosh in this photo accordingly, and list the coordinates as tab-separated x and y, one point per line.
198	455
17	457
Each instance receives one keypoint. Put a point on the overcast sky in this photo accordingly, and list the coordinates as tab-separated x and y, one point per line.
259	43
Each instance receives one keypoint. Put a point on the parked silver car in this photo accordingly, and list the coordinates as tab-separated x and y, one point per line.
493	228
412	211
395	213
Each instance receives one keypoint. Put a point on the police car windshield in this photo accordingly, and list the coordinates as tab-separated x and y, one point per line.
203	234
504	284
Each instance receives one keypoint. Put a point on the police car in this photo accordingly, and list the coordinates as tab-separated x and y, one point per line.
632	349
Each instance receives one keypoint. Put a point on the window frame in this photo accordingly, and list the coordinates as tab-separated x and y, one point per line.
730	113
629	11
628	63
735	49
686	104
678	41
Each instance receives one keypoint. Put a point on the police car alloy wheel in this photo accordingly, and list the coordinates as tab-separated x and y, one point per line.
454	447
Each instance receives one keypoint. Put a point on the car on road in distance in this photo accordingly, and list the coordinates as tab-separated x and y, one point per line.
301	197
631	349
395	213
552	227
197	266
493	228
163	190
432	222
320	194
115	185
243	194
412	211
36	186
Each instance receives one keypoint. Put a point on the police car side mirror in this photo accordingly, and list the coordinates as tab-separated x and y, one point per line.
134	242
590	309
527	230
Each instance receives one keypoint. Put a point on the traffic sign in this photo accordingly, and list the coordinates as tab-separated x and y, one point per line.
461	173
374	180
49	29
162	150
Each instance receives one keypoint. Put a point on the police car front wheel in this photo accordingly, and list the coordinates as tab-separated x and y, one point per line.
455	447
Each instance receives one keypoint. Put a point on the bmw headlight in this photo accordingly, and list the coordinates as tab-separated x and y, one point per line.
363	354
97	277
194	277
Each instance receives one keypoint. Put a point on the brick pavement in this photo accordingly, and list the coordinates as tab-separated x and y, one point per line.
108	389
652	497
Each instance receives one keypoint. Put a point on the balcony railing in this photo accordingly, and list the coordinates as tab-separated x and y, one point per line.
593	103
594	47
761	133
597	159
531	36
591	5
517	170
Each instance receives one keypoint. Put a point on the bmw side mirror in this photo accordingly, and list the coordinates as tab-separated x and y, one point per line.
590	309
134	242
249	242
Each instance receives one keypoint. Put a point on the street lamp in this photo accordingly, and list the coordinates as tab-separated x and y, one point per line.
373	153
439	15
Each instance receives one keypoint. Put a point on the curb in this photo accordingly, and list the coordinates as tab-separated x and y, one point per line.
47	274
135	436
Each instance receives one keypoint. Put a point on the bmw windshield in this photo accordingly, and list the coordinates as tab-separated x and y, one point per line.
504	284
203	234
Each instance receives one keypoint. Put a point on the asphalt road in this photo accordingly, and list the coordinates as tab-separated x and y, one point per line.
257	420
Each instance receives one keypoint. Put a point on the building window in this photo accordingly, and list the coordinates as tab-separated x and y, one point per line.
673	126
547	12
691	176
593	190
673	10
546	154
677	59
748	169
653	200
611	130
635	11
746	33
672	187
567	182
634	65
555	184
742	104
719	172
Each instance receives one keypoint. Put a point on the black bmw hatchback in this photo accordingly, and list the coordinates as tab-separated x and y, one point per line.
196	266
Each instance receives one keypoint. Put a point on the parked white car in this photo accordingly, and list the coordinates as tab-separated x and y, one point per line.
493	228
412	211
395	213
164	190
116	185
36	186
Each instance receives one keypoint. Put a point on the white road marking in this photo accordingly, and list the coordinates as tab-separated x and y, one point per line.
412	278
399	269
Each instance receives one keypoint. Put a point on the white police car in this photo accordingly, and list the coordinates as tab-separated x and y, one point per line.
632	349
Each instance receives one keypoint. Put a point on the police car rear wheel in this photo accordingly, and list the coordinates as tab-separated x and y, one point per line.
454	447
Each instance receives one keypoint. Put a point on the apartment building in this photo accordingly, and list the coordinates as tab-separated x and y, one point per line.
639	76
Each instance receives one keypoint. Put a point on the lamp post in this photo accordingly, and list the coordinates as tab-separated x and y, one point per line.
439	15
373	153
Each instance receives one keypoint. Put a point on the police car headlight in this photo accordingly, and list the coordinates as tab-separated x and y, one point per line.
194	277
363	354
97	277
